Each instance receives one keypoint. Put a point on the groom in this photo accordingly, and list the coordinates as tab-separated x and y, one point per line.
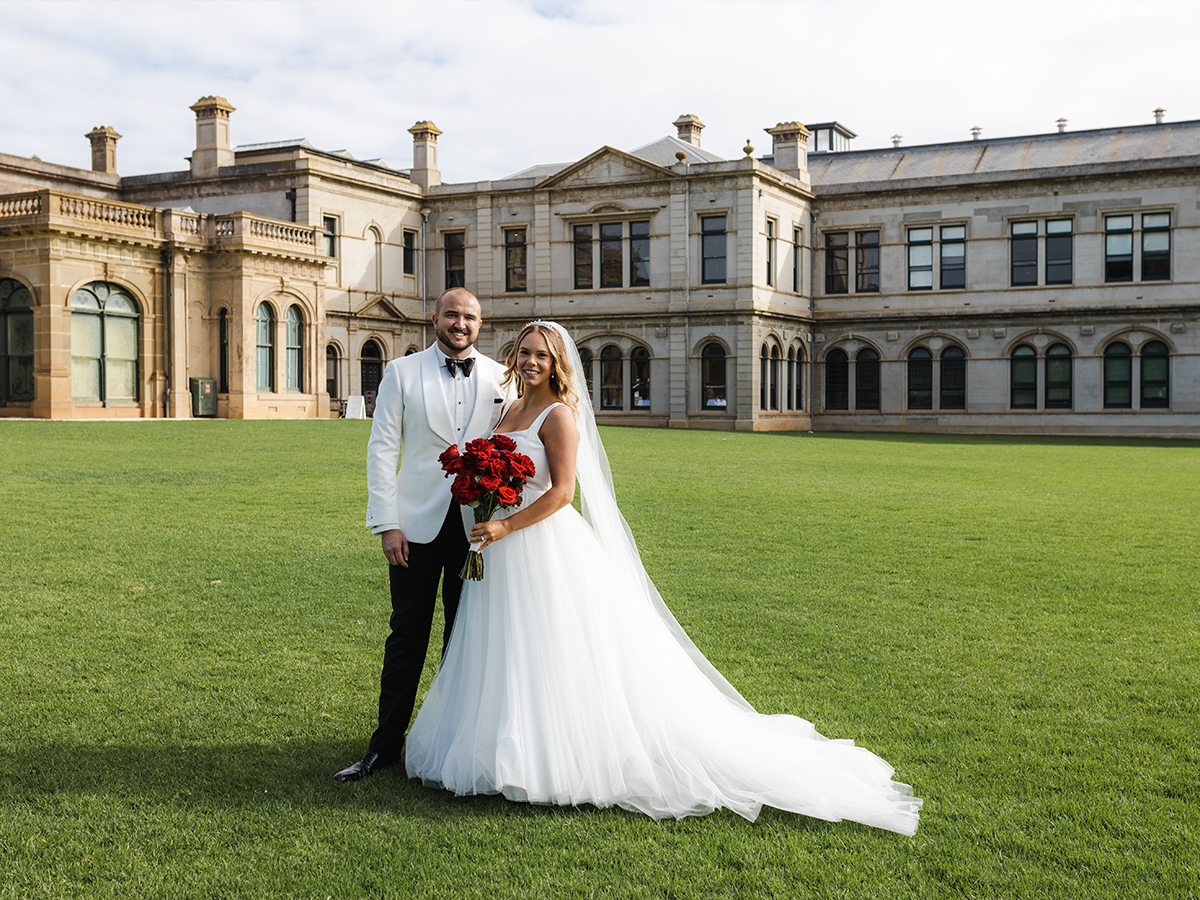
447	394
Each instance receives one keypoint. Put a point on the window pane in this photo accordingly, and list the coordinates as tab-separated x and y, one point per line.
866	380
120	380
1156	220
639	372
1118	223
921	255
712	249
953	393
919	280
837	380
456	259
867	261
1118	377
1059	226
1024	258
714	377
120	338
1023	379
583	256
1155	376
1058	377
1058	259
611	263
837	263
20	334
612	392
920	234
954	232
85	335
85	379
1024	228
639	253
920	379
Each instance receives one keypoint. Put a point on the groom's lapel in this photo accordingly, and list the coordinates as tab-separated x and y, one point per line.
436	410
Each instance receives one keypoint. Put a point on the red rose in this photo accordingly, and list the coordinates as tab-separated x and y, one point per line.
489	482
450	459
464	490
504	442
507	496
480	448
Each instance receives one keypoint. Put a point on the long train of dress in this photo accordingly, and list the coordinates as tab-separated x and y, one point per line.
561	685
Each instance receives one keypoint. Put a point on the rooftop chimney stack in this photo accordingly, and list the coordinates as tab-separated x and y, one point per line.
688	128
1062	125
1158	115
424	168
896	139
212	136
104	149
976	132
789	146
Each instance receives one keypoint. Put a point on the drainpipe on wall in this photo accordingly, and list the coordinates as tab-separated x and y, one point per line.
425	211
687	292
166	257
812	316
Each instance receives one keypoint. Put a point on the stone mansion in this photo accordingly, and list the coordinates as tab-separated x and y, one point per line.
1046	283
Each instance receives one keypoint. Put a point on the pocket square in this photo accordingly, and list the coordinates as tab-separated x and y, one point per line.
498	400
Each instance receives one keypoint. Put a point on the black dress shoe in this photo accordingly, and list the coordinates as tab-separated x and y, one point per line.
366	766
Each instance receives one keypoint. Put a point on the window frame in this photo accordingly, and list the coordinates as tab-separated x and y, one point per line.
331	231
582	238
1156	258
919	366
1020	243
1024	364
102	293
837	380
797	260
952	398
264	348
1145	384
612	361
1113	384
516	256
294	349
946	270
837	262
1052	361
714	378
1117	263
11	313
410	252
455	258
639	253
866	261
1055	240
771	229
712	240
917	244
866	380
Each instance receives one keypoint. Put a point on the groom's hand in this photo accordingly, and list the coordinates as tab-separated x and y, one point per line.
395	547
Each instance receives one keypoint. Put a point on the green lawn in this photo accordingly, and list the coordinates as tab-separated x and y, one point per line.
192	616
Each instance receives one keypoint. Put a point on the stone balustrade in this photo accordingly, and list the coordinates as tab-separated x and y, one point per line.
56	208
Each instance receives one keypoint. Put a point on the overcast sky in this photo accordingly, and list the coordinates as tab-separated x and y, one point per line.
514	83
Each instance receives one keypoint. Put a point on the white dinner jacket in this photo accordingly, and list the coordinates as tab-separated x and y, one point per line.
413	425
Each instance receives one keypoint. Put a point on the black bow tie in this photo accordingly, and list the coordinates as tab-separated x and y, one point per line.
464	365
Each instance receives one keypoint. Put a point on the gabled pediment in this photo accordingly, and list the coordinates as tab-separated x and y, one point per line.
605	166
381	305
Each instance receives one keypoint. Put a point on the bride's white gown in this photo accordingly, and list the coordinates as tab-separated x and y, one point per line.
563	685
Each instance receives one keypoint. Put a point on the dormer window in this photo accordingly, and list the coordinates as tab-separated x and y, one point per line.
830	137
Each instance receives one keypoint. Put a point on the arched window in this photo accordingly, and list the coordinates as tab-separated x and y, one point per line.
639	377
1058	377
799	395
585	360
791	378
376	236
712	376
16	342
295	349
775	357
370	368
837	380
953	391
866	379
411	350
264	363
920	379
1156	376
223	341
1118	376
104	337
1022	386
764	377
612	385
331	372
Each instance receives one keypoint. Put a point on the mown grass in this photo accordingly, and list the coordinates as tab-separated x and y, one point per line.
191	619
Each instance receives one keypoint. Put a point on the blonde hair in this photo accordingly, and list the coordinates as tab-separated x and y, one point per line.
561	372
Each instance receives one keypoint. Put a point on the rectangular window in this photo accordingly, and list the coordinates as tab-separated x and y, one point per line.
866	262
1059	251
920	259
456	259
1156	246
330	223
1118	248
583	257
1024	253
837	263
770	253
639	254
612	265
797	241
712	250
514	259
954	257
410	252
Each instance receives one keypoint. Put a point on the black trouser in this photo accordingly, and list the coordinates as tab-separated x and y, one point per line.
414	594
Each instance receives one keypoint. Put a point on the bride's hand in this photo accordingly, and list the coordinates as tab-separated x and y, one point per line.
489	532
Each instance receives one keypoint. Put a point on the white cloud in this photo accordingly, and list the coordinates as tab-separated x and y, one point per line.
516	83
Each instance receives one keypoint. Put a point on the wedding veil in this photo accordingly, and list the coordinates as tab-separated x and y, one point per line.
599	506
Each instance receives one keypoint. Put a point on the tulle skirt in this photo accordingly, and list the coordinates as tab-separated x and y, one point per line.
562	685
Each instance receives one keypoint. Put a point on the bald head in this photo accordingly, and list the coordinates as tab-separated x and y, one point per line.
454	295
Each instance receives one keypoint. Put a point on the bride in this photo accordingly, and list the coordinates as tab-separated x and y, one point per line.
568	681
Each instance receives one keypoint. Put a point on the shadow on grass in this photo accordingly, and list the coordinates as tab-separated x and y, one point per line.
295	775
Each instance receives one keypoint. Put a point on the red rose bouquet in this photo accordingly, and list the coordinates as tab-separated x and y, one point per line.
488	475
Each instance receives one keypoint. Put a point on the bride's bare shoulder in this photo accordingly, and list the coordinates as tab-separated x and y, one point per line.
560	423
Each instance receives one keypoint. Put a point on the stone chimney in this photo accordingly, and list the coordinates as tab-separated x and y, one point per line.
104	149
1158	115
425	168
789	142
212	136
688	127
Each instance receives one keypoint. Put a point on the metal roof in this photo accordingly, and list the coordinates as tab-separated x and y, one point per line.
1017	154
